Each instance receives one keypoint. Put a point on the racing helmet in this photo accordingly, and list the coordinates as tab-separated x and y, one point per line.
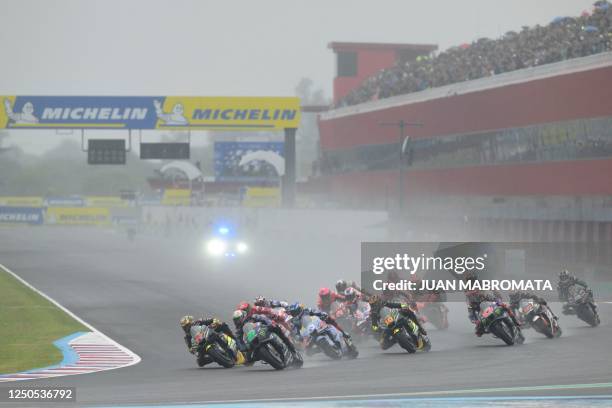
186	321
350	294
341	285
246	306
295	309
564	275
324	293
374	299
239	317
260	301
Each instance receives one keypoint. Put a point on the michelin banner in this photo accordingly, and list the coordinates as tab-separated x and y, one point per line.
21	215
149	112
21	201
78	216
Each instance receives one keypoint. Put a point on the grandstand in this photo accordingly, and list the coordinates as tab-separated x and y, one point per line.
523	147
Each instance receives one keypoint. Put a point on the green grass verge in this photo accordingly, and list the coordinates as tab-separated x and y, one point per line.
29	324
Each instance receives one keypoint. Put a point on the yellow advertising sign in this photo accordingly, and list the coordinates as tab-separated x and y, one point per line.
78	216
106	201
21	201
176	196
228	113
262	197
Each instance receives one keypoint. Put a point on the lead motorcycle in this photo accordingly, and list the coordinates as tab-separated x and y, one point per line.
403	330
319	336
268	347
580	302
539	317
221	348
496	320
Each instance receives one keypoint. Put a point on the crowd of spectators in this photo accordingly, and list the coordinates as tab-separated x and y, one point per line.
564	38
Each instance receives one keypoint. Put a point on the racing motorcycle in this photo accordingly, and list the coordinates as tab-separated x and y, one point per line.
220	347
580	302
495	320
403	331
268	347
355	322
539	317
319	336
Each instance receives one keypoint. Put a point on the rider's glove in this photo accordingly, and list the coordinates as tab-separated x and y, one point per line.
324	316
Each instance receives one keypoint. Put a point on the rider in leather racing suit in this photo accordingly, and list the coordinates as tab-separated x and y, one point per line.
276	321
297	311
475	298
327	298
516	297
187	322
376	304
565	282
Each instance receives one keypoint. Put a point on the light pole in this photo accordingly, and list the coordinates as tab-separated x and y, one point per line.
404	147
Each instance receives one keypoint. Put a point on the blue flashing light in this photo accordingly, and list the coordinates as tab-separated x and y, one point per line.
223	230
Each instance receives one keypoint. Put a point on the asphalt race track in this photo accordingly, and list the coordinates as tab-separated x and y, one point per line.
135	292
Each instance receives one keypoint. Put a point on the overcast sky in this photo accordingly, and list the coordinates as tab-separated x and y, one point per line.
224	47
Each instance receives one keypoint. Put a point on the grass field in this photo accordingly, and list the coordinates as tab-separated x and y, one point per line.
29	324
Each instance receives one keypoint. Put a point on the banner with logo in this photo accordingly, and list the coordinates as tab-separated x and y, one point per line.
176	196
149	112
248	161
78	216
64	202
21	201
21	215
106	201
262	197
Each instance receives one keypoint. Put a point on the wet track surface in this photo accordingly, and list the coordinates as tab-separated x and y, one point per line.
136	292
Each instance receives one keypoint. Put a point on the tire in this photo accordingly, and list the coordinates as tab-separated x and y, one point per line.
220	356
585	312
270	357
405	341
332	352
545	329
502	329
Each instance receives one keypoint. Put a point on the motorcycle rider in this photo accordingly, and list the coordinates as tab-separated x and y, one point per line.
271	303
516	297
277	318
342	285
377	303
187	322
298	310
475	298
326	298
566	280
241	317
